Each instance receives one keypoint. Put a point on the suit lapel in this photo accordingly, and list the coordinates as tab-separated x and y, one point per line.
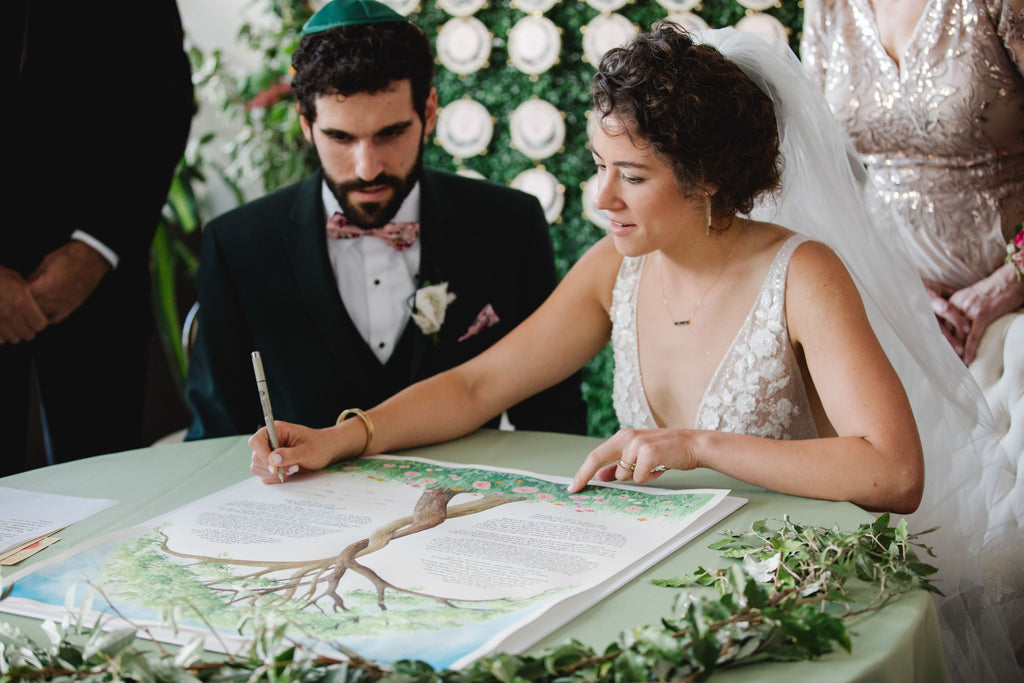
306	250
438	255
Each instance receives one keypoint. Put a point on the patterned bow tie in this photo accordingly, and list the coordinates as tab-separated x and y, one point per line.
401	236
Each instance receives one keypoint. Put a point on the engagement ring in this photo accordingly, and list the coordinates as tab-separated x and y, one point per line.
627	465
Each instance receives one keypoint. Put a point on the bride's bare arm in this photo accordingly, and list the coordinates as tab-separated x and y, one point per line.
563	334
876	459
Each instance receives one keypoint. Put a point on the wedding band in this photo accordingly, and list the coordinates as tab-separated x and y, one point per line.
627	465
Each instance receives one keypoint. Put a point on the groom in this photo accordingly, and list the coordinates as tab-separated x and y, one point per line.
321	277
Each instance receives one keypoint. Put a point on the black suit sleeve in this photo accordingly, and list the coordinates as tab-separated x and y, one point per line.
221	389
560	408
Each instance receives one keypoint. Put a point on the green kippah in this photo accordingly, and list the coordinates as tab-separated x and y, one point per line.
350	13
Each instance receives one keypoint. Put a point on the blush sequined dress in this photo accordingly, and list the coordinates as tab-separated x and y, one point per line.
942	133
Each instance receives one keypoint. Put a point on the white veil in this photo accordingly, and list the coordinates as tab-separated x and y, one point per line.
822	197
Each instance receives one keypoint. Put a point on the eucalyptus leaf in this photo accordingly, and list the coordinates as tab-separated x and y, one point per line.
108	644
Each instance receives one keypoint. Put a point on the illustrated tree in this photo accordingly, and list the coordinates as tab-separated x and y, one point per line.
317	582
312	580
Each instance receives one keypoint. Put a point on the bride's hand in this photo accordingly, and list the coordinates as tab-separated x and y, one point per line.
640	455
984	301
301	450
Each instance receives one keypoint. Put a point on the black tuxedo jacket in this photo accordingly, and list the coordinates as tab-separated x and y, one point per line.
265	284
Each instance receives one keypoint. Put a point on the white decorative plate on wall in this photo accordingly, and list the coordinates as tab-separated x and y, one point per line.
464	128
534	44
604	32
463	45
758	5
607	5
545	187
591	212
533	6
765	24
679	6
537	128
689	21
461	8
403	7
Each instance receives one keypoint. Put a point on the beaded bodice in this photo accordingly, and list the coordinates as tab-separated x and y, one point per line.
941	132
757	389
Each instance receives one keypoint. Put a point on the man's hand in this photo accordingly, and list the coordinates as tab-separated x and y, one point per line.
21	318
65	279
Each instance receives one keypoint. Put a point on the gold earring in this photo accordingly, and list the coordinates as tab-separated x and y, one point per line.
707	211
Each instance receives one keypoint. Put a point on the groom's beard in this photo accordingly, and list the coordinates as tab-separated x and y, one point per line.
368	215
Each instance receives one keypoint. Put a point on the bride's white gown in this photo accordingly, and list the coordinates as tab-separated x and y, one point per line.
757	388
980	548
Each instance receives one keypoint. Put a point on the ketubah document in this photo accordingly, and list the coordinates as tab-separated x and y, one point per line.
393	558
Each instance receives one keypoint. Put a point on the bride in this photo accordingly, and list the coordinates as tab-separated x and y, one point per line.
740	344
757	357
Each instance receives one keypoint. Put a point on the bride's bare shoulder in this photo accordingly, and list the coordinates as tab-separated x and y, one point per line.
602	260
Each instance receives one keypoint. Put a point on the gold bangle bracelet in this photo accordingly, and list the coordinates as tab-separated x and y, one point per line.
366	423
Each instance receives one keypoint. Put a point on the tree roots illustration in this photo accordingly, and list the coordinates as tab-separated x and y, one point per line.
311	581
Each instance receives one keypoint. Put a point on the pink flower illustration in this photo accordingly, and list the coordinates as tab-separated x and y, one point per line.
482	485
545	496
412	474
525	489
634	508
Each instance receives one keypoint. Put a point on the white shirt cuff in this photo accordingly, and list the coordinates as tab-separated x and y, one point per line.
104	250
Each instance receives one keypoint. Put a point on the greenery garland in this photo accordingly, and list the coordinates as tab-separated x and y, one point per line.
784	599
270	146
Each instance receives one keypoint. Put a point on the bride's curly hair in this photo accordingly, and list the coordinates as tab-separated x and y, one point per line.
699	112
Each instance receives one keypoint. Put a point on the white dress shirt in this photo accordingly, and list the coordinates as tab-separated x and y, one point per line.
375	280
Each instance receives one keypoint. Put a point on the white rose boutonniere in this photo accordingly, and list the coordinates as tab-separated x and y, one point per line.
429	305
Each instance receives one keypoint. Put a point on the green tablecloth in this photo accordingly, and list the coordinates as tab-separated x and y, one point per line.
899	643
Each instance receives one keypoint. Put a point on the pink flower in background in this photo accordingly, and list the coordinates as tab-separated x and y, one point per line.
634	508
428	480
482	485
412	474
525	489
1015	253
545	496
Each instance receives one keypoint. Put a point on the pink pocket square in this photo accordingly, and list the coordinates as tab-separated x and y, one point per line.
484	319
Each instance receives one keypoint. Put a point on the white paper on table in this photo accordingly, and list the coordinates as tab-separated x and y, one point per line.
515	557
27	515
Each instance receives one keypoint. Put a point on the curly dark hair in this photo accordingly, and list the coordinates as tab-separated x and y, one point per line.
365	58
698	111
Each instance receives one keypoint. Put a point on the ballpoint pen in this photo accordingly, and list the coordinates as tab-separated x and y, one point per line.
268	414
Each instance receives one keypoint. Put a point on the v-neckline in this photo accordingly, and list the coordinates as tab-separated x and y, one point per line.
718	369
898	63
